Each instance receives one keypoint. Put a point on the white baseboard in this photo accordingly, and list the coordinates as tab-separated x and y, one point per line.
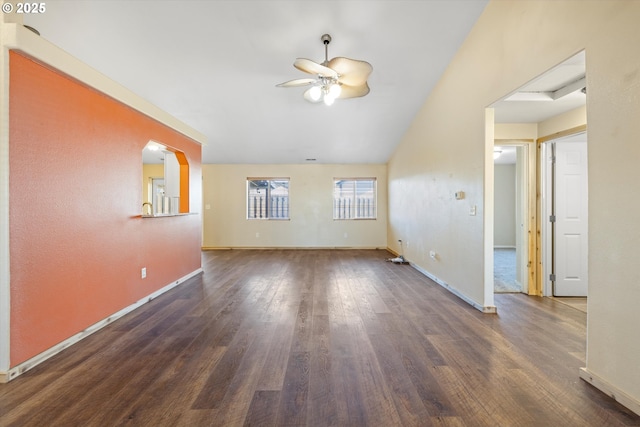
6	376
392	251
491	309
610	390
293	248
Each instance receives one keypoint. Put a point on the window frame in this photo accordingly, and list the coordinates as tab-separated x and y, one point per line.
286	208
354	210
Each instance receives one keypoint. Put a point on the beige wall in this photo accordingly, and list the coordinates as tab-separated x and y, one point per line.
516	131
504	229
445	151
150	171
563	122
573	119
311	208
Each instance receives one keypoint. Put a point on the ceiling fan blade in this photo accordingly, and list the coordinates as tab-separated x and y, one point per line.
297	82
349	91
352	72
308	66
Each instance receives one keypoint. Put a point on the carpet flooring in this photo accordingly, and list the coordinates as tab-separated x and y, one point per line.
504	271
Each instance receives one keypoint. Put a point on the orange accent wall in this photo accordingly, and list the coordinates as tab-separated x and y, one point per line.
184	181
77	243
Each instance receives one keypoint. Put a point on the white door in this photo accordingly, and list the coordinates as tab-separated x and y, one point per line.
571	226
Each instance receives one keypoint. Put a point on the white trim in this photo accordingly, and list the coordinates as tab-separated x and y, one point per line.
488	209
293	248
485	309
12	373
610	390
5	280
545	225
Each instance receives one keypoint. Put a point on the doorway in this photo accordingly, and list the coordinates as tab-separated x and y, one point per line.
511	208
553	105
565	214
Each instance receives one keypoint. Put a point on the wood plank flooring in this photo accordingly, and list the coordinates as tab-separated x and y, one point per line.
579	303
319	338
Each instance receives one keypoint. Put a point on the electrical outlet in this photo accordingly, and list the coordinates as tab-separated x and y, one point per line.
346	235
257	235
472	211
433	254
143	272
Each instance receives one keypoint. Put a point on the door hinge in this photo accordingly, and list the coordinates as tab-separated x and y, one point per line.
552	277
552	218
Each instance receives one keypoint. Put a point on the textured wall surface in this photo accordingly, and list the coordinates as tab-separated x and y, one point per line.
77	244
311	208
444	151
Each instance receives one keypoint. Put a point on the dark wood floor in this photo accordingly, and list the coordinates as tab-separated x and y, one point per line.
319	338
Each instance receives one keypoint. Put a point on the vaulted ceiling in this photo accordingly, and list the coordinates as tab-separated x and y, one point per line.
215	65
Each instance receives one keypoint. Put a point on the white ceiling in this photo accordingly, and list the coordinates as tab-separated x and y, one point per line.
214	65
569	74
562	76
507	155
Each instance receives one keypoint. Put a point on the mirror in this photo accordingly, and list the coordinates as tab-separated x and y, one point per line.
165	180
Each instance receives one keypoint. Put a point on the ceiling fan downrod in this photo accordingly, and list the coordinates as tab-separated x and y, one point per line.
326	39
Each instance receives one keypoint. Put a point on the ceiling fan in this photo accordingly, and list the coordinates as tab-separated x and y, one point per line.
338	78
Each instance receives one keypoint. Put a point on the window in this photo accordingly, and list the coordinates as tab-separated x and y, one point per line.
354	198
267	198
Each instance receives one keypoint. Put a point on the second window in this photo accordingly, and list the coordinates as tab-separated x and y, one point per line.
267	198
354	198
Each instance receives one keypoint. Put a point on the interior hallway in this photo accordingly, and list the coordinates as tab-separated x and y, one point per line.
504	271
319	337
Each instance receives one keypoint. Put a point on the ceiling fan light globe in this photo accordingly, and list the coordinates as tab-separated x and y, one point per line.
315	93
328	99
335	90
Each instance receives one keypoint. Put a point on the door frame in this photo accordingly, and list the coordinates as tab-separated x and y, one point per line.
528	211
544	242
